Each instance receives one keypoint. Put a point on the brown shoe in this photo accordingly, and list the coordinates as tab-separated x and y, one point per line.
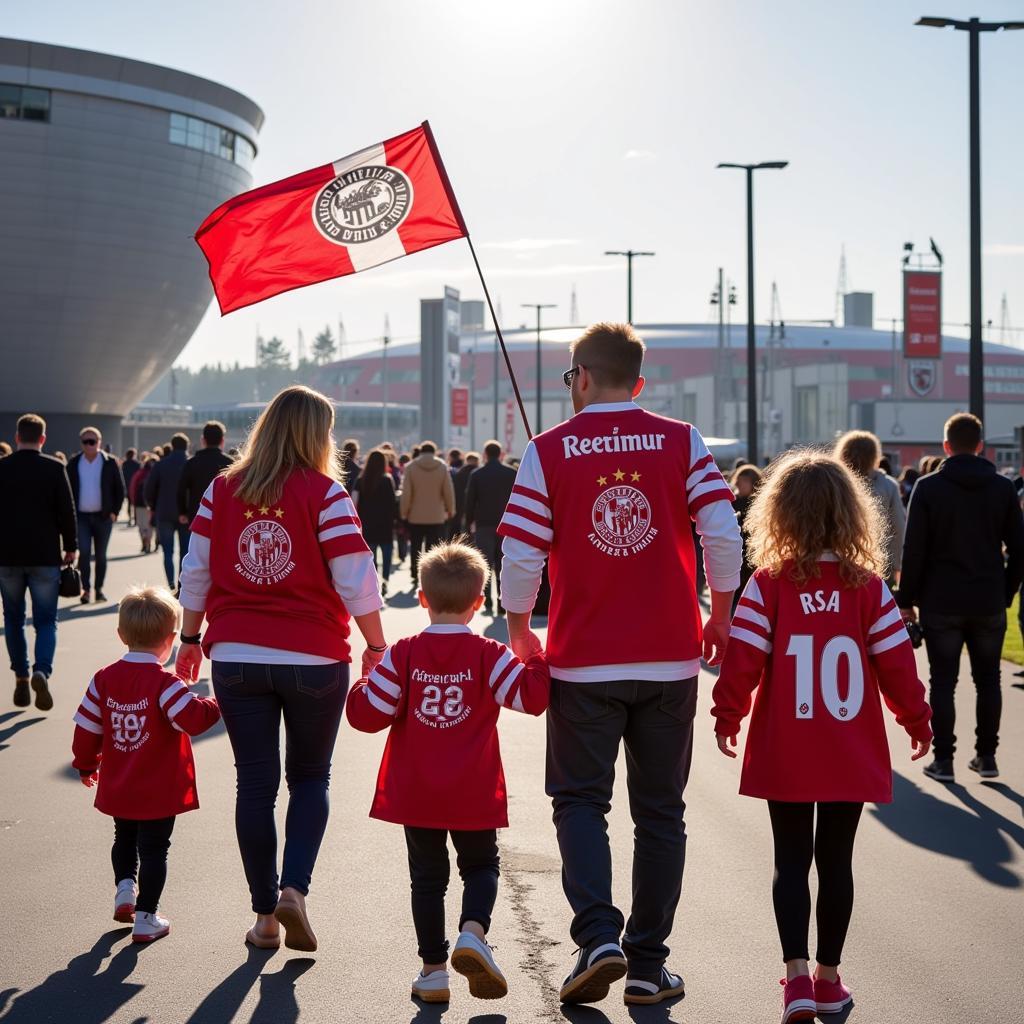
291	914
22	696
40	684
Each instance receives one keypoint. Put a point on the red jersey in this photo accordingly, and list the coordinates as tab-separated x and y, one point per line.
611	495
269	572
440	693
821	656
134	724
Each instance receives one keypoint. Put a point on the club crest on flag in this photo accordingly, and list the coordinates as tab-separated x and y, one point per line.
362	204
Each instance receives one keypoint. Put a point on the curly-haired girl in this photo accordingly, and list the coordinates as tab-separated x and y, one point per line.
818	635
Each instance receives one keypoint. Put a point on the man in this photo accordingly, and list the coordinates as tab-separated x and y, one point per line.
958	522
427	503
350	463
37	524
200	471
162	499
98	489
490	488
609	495
460	484
129	468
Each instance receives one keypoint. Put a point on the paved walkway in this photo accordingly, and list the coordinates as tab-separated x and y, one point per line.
937	935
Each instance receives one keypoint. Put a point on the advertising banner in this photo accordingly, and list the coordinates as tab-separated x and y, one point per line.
460	407
922	314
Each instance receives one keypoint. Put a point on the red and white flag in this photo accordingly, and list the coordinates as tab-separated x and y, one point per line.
374	206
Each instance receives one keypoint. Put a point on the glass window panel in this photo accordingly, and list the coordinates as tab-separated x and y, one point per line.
244	152
179	136
35	104
10	100
179	122
227	144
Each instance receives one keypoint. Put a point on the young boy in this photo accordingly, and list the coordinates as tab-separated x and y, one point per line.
135	720
440	693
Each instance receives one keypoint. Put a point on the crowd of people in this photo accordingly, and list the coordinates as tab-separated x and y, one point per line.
821	574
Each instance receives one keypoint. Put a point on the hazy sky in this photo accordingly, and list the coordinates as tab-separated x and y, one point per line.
573	126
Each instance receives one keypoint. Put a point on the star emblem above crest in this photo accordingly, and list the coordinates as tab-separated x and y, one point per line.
619	475
248	513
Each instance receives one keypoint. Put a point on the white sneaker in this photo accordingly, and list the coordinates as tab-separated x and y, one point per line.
149	927
475	960
432	988
124	901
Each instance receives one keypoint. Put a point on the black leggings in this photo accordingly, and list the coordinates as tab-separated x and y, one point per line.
429	871
830	846
148	842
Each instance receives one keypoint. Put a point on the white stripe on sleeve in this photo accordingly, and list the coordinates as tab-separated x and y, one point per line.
886	621
753	592
176	688
382	706
92	689
739	633
889	642
502	692
528	525
390	688
337	531
92	706
186	698
743	612
499	667
86	724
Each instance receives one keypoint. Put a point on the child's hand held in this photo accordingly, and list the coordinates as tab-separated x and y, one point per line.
724	742
920	748
90	780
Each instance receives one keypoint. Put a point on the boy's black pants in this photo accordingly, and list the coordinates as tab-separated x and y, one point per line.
140	853
429	871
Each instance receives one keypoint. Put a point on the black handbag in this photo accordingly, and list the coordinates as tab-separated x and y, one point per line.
70	582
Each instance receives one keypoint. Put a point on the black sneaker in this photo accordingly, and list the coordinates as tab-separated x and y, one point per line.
985	765
22	696
84	599
640	991
597	966
100	596
941	770
40	684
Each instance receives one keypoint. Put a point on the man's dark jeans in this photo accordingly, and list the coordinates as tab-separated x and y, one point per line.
585	723
252	700
944	637
167	532
422	537
43	583
93	531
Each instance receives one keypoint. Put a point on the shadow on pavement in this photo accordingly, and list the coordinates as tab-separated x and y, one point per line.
278	1004
428	1013
497	630
975	838
86	611
24	723
402	599
225	1000
80	993
583	1014
661	1013
1007	791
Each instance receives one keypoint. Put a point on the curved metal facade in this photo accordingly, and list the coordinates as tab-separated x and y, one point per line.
101	284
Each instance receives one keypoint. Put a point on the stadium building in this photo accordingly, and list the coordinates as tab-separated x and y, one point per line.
107	166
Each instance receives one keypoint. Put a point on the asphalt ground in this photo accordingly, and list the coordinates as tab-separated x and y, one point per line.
937	933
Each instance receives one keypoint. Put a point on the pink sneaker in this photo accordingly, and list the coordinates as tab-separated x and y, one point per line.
831	996
798	1001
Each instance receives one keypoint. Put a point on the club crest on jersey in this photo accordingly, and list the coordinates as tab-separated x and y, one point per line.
622	521
264	553
362	204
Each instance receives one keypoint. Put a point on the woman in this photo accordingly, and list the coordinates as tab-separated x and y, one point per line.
906	481
136	490
745	481
277	565
861	452
377	504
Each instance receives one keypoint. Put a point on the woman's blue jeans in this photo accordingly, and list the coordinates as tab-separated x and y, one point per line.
253	699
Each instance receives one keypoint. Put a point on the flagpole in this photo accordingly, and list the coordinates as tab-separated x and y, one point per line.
504	350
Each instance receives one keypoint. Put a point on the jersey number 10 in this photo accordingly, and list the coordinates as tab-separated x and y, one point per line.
801	647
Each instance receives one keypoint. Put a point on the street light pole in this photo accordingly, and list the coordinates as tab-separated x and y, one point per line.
752	414
538	306
974	27
629	254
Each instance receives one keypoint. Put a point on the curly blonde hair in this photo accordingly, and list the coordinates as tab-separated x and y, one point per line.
808	504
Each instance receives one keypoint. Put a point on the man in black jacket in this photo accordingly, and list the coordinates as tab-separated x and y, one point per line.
460	484
98	488
162	499
954	571
488	492
200	471
37	535
129	467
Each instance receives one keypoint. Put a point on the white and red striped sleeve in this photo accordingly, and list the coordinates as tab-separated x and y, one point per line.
709	499
528	513
185	711
202	522
892	657
339	530
518	685
374	702
88	740
750	643
195	577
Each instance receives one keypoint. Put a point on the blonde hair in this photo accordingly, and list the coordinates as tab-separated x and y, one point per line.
452	576
860	451
147	616
808	504
293	432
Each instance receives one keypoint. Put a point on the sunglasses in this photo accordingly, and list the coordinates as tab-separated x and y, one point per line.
570	373
90	440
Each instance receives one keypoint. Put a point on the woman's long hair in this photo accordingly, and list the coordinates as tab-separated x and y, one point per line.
809	504
293	432
373	472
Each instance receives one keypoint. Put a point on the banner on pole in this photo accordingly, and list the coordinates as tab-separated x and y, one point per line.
460	407
368	208
922	314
